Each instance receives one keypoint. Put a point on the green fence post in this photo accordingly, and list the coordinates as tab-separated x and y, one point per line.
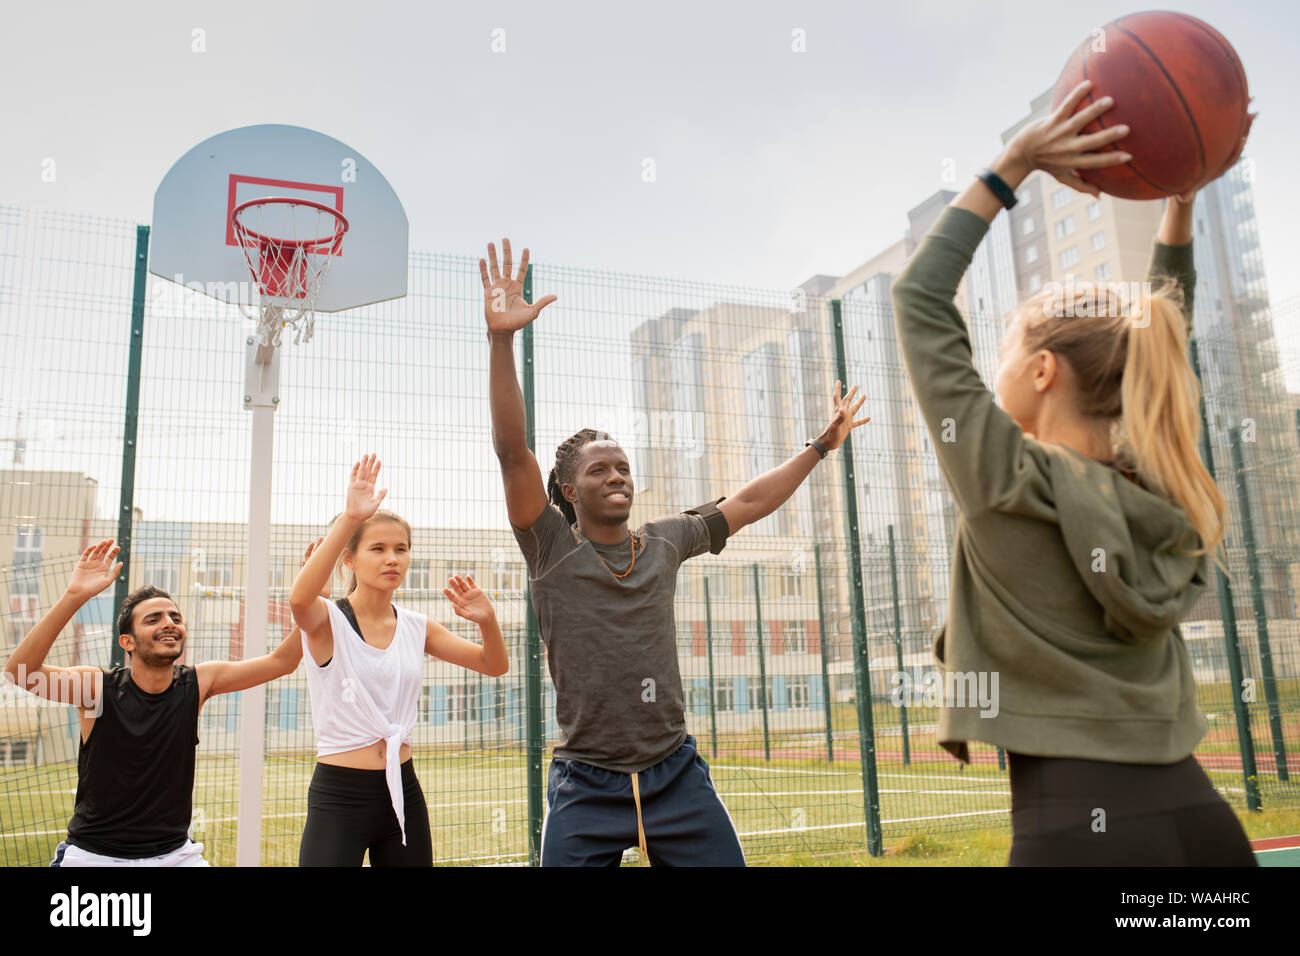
1232	643
821	641
898	644
1261	612
861	661
126	494
1002	759
533	640
762	664
708	639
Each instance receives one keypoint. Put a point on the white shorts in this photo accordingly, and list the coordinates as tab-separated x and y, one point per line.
189	854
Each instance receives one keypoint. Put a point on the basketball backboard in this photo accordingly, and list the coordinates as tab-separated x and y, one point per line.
193	242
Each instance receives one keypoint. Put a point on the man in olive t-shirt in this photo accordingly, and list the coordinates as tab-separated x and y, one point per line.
627	771
611	646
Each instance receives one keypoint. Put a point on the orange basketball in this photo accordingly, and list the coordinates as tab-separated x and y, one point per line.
1180	88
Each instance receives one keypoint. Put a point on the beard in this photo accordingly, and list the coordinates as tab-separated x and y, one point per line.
160	655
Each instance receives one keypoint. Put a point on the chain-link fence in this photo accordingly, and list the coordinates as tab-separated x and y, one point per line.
779	636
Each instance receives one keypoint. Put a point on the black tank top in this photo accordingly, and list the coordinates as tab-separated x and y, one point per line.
135	772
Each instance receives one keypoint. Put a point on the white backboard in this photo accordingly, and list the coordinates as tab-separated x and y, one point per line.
192	242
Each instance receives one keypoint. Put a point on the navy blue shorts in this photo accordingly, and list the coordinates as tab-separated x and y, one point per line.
592	817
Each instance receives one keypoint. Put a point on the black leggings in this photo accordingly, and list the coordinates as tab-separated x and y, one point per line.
1068	812
350	811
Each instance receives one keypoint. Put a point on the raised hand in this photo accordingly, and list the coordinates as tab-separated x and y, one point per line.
842	421
468	601
362	501
95	570
503	297
1053	144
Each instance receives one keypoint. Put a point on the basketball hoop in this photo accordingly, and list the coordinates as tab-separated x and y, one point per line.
288	244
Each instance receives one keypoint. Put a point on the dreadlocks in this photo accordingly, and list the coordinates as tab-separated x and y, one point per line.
566	465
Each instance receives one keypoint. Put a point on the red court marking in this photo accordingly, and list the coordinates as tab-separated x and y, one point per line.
1275	843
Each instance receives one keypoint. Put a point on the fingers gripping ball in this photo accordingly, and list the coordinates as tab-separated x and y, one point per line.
1180	88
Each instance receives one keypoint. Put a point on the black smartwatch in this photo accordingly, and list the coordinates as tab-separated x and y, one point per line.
821	449
998	187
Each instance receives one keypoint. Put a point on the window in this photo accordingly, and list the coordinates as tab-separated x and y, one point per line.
699	699
1027	227
1094	210
683	584
796	693
757	698
796	641
1035	281
218	573
1061	197
417	575
1103	271
1024	197
1069	257
719	579
791	583
462	703
507	577
724	697
1098	241
1065	227
274	576
465	571
162	576
1031	254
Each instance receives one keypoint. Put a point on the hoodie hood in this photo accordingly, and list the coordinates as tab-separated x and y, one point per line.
1129	545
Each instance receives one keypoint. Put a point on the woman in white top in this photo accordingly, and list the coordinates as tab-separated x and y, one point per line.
365	662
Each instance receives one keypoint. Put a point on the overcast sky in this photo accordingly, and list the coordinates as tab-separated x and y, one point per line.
770	165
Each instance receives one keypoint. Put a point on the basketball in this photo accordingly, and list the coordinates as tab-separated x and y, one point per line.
1180	88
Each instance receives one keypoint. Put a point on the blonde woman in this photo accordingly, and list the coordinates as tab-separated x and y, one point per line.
1086	524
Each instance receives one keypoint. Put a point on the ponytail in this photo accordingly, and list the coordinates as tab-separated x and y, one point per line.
1129	360
1160	397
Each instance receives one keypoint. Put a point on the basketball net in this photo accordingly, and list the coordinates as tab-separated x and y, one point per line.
288	244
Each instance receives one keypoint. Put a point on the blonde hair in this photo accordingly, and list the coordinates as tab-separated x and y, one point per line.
1129	359
354	542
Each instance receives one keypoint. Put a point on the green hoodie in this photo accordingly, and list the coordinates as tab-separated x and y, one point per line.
1068	579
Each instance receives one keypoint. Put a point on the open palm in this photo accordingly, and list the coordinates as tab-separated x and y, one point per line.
95	570
467	600
503	296
362	500
843	422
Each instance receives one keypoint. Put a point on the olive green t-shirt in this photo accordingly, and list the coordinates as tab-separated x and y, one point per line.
611	643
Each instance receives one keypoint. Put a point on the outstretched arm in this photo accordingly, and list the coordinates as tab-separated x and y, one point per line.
507	312
471	603
759	497
308	607
26	666
225	677
979	445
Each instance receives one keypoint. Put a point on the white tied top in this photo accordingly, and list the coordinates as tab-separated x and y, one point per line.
365	694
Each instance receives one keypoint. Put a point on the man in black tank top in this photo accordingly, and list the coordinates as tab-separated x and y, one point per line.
139	723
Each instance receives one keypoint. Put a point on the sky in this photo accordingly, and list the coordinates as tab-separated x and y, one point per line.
770	165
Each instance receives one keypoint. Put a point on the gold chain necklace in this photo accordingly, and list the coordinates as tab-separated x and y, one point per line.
633	539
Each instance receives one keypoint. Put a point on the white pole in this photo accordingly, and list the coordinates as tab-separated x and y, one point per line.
261	386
